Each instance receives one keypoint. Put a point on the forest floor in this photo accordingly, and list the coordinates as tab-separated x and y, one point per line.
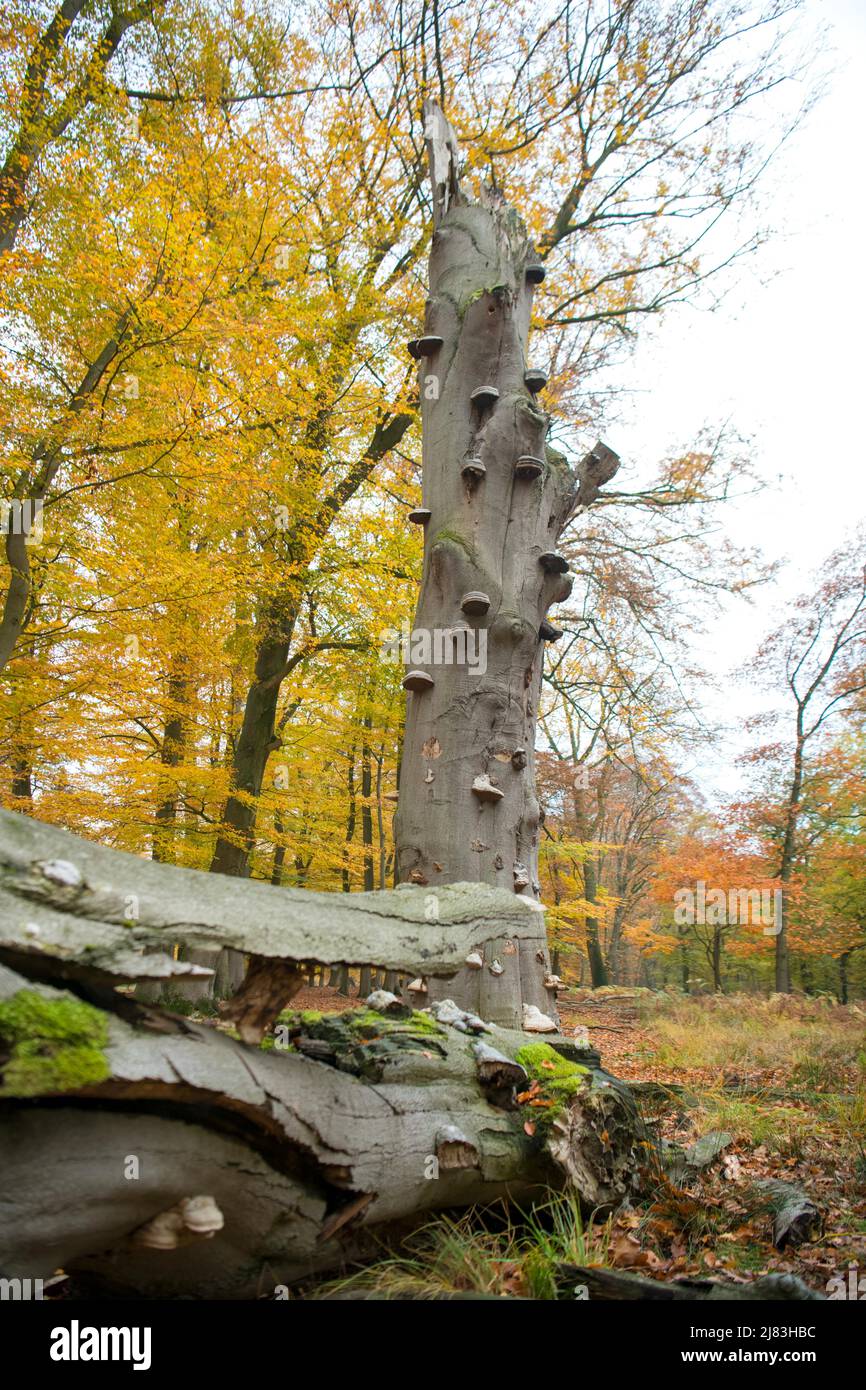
781	1083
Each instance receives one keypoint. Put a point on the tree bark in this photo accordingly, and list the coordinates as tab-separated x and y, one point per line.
468	809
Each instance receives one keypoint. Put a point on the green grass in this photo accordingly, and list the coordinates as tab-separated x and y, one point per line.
493	1251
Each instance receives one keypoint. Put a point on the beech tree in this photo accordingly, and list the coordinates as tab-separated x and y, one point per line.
819	654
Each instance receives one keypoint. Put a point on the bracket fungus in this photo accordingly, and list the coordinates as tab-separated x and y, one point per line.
454	1150
424	347
552	563
474	960
535	272
548	633
534	1021
446	1011
419	516
473	470
486	790
419	681
528	468
61	872
475	602
192	1218
521	877
498	1075
484	397
382	1001
418	986
534	379
496	967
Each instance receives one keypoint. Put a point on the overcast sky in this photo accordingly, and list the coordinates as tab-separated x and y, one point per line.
781	359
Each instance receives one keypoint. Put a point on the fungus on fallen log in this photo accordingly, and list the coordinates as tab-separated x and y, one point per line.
454	1150
382	1001
498	1076
534	1021
192	1218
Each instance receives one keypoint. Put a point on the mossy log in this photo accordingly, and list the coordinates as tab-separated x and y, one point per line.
304	1136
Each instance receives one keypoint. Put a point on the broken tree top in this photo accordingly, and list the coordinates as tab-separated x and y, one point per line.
110	914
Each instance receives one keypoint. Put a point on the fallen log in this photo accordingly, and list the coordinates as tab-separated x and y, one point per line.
148	1154
796	1218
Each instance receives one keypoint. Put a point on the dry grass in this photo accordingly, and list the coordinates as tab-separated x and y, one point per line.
817	1045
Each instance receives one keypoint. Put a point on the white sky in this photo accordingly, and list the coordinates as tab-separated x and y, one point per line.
781	359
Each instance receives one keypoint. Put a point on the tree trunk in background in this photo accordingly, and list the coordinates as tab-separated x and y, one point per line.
587	828
716	960
170	756
367	809
22	779
786	866
684	962
468	808
843	977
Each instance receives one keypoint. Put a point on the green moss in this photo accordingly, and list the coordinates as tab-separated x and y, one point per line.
466	302
449	537
50	1044
557	461
424	1023
368	1022
558	1078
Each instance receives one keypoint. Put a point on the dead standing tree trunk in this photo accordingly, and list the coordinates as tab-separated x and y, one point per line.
495	501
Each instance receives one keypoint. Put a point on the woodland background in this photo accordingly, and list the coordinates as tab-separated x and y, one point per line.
214	228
